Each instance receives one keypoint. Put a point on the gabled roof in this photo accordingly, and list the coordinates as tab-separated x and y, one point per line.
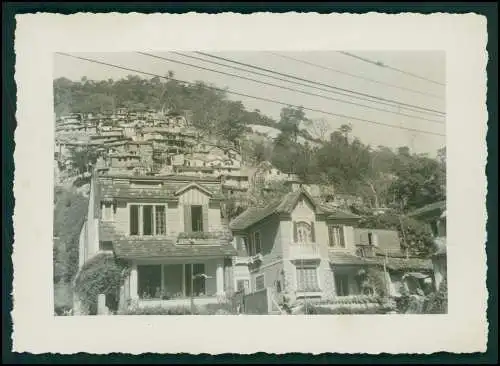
191	186
284	205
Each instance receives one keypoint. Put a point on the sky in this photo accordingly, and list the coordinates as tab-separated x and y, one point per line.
338	72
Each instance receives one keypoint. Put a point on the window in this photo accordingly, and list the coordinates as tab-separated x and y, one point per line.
105	245
372	239
257	243
304	232
336	236
134	220
259	283
147	220
242	285
149	281
307	279
196	218
160	220
341	285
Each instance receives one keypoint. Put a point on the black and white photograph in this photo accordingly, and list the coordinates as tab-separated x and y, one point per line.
250	183
190	177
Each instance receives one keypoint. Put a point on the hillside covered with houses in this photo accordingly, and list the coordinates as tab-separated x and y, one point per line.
173	197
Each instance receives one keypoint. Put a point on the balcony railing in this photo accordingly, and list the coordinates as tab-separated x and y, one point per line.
304	251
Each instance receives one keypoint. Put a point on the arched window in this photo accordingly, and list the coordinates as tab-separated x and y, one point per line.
304	232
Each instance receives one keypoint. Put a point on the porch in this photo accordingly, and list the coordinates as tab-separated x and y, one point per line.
174	282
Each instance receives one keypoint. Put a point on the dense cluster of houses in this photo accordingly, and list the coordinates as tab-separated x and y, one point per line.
156	198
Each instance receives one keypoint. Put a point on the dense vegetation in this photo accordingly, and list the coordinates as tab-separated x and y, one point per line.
102	274
70	209
398	179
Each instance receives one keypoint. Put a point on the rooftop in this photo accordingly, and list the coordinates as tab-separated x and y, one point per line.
431	209
128	248
283	205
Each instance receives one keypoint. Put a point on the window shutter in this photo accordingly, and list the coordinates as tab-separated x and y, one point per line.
294	231
205	218
187	219
313	234
330	236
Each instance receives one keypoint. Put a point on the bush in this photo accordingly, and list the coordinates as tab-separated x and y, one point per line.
81	181
437	302
317	310
160	310
103	274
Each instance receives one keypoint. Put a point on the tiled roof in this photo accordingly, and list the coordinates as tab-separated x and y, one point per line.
167	190
283	205
441	205
335	213
398	264
166	247
395	264
349	259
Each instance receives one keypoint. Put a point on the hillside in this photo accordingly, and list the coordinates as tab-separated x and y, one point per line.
338	159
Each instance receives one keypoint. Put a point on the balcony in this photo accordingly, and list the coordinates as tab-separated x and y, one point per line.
304	251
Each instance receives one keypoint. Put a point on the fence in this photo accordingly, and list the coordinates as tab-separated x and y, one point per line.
256	303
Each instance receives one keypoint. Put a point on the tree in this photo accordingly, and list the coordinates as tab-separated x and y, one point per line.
70	210
82	158
319	128
414	235
419	181
290	119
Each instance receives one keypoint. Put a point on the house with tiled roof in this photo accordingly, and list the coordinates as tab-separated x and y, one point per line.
311	250
169	230
434	214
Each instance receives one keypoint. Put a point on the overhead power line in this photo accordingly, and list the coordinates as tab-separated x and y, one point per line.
250	96
287	88
381	64
356	76
323	84
302	84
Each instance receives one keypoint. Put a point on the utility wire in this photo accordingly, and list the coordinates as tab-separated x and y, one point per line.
251	96
355	76
381	64
322	84
301	84
287	88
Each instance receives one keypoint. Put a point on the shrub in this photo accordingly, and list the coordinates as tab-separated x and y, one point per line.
217	309
317	310
160	310
437	302
199	235
103	274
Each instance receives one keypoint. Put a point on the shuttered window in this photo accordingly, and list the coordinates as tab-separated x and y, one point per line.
257	243
336	236
147	220
303	232
307	279
187	219
134	220
259	283
160	220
